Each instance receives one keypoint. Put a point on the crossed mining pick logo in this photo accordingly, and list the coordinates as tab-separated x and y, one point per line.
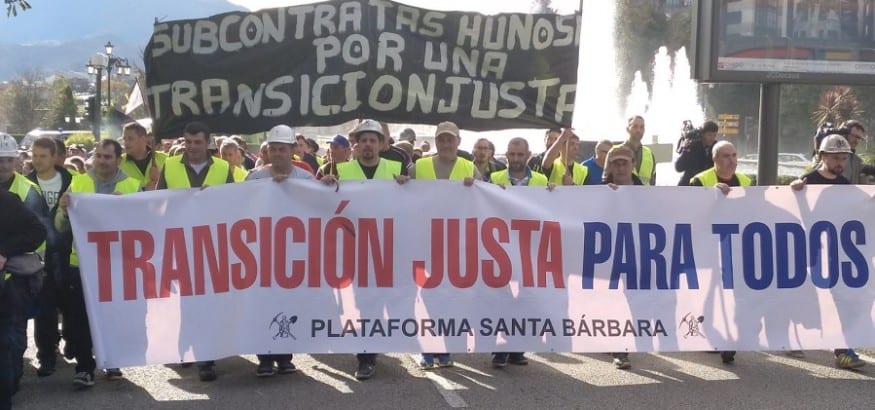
691	324
284	326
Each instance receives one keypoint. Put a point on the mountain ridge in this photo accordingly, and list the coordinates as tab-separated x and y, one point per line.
61	35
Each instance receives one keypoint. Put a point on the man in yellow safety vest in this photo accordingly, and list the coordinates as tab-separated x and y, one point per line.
105	178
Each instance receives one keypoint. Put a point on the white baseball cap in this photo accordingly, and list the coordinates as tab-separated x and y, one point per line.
281	133
369	126
8	146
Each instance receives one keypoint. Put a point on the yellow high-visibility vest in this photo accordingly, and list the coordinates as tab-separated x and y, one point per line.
83	183
503	178
177	177
708	178
21	186
130	168
352	170
578	172
462	169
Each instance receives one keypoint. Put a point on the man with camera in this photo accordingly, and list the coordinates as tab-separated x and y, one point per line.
695	149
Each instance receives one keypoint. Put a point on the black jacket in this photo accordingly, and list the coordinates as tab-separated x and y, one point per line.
21	230
58	244
693	160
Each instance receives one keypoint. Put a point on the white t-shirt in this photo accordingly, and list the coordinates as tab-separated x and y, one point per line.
199	167
51	189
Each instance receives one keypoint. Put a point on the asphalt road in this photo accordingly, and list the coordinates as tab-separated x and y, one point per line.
758	380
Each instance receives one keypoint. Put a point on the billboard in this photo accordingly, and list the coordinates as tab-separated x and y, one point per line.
784	41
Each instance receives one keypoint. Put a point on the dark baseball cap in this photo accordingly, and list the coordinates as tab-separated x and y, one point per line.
340	140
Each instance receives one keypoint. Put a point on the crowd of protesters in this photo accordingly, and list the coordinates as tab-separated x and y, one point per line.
40	178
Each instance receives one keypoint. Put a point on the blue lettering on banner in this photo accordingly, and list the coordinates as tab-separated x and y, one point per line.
725	231
783	232
639	269
856	257
766	258
757	232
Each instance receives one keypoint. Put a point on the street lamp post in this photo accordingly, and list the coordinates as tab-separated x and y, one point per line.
97	64
122	68
95	67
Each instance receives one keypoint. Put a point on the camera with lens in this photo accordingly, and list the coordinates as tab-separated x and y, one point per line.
689	134
827	129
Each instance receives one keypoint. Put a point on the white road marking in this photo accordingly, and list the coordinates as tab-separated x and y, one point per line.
447	388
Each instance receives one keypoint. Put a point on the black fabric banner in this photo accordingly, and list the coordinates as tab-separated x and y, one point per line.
326	63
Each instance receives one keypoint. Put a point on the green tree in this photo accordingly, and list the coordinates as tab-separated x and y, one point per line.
640	31
797	128
84	138
24	102
62	104
679	31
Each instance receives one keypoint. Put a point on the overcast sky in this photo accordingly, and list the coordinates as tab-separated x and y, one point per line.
486	7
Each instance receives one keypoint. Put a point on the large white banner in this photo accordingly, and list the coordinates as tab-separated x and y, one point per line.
265	267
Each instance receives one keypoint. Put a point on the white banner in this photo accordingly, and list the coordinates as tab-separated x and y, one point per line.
265	267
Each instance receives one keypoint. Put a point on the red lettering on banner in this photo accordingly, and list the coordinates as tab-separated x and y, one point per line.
454	268
142	262
346	229
525	229
217	258
369	249
351	247
498	270
429	279
103	240
550	255
296	228
264	241
244	273
175	267
314	252
494	232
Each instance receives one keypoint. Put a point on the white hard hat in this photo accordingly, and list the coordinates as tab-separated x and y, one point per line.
8	146
835	143
369	126
281	133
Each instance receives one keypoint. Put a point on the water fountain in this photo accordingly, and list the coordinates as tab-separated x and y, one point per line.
597	111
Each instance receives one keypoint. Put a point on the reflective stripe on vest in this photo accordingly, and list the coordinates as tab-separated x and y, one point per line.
503	178
177	177
462	169
578	173
709	178
352	170
130	168
83	183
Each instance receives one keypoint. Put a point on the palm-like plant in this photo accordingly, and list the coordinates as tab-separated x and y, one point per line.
836	106
13	5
